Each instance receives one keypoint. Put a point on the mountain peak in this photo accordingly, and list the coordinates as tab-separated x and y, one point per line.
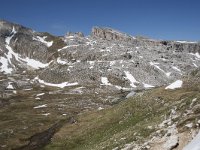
110	34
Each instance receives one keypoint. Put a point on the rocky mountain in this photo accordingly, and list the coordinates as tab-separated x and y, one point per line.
60	77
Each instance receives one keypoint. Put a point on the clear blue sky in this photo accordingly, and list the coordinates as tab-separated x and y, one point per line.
159	19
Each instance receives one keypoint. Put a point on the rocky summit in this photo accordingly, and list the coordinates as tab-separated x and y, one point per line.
52	84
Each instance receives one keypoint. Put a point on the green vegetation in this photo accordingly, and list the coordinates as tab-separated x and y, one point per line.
125	122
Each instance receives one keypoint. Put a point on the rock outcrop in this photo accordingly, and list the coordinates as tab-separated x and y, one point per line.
110	34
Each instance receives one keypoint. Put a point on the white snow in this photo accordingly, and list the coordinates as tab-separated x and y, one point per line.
40	94
105	81
4	67
131	78
174	85
112	63
156	65
196	55
34	63
131	94
123	88
42	40
46	114
60	61
91	64
194	144
168	74
148	85
100	108
10	37
176	68
10	87
60	85
189	125
40	106
186	42
68	47
195	65
9	56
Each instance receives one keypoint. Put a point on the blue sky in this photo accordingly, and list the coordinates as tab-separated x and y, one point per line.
159	19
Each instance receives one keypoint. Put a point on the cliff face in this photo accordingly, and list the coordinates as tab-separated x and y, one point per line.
110	34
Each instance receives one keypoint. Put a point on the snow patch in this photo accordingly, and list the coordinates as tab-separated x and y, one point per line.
156	65
176	68
60	85
196	55
60	61
195	65
68	47
40	106
46	114
10	87
174	85
105	81
34	63
40	94
186	42
148	85
42	40
131	94
131	78
4	66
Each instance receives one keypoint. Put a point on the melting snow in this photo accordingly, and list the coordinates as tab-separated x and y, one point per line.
131	78
9	56
61	61
42	39
186	42
174	85
40	106
34	63
156	65
10	86
4	66
176	68
168	74
100	108
195	65
131	94
68	47
194	144
196	55
46	114
105	81
40	94
148	85
60	85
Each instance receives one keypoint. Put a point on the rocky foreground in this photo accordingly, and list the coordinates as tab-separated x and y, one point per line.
51	83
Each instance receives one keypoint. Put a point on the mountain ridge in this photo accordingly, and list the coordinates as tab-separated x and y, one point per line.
61	77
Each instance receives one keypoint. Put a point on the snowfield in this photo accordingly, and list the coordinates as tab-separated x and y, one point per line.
60	85
174	85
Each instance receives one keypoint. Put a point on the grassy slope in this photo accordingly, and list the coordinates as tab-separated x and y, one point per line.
125	122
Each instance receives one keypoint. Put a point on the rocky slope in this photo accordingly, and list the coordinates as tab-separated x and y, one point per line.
60	77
